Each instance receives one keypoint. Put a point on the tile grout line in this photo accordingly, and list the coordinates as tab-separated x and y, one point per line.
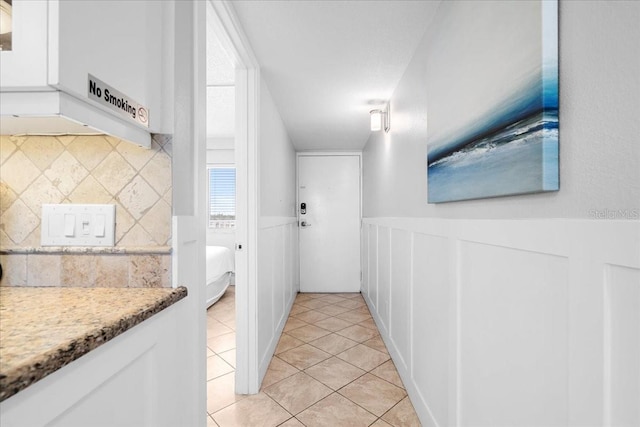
341	395
338	390
357	309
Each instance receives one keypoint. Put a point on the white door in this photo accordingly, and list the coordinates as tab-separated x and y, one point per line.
329	218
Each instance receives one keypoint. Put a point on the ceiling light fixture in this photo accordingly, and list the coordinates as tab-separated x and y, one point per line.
380	119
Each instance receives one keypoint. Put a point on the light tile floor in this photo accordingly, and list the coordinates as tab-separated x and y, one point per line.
330	368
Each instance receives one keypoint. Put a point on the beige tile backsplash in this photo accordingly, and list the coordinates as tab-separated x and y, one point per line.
86	169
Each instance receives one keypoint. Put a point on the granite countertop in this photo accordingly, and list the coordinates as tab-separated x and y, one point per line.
43	329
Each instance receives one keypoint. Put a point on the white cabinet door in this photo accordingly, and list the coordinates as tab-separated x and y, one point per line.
24	67
137	379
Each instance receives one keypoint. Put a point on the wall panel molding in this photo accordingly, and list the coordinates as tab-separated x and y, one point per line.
527	322
621	346
278	282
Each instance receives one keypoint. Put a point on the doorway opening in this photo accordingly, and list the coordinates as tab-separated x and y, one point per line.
221	223
232	103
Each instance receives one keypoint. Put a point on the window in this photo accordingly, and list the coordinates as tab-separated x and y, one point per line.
222	197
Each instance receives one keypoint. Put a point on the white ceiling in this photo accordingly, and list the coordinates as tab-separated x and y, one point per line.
326	61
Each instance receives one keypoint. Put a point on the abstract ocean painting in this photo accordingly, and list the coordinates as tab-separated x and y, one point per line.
493	101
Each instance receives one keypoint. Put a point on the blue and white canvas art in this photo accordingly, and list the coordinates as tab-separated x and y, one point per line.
492	108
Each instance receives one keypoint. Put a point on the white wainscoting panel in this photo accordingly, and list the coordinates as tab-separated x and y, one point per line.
510	322
372	284
365	257
266	332
431	326
622	334
384	276
291	261
278	281
400	327
513	337
279	284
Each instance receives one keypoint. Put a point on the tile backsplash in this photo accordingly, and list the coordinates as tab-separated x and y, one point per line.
86	169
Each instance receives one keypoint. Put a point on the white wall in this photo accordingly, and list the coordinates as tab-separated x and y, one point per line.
494	319
278	279
277	161
599	126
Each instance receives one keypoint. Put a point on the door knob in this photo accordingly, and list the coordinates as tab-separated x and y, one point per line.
304	224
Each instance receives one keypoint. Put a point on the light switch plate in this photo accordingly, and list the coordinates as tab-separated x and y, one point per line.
78	225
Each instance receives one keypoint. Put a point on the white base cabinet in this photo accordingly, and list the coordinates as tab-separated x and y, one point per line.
136	379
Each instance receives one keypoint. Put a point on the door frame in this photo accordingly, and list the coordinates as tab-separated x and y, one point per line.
247	97
329	154
189	188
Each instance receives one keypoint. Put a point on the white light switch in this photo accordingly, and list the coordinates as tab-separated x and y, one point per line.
56	225
78	225
99	226
69	225
85	224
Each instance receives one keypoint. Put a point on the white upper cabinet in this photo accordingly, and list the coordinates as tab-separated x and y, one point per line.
57	44
25	65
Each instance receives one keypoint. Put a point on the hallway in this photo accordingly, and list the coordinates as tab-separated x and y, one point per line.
331	368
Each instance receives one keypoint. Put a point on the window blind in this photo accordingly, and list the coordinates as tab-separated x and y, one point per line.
222	197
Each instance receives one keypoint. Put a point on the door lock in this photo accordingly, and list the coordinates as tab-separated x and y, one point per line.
303	208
